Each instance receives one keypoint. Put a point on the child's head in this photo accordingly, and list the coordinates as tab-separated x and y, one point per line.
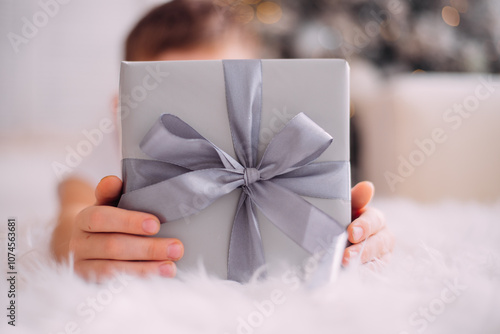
190	29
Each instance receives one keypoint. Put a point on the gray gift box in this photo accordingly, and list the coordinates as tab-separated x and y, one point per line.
197	93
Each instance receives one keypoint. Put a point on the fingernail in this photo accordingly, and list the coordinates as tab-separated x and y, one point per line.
357	233
167	269
150	226
175	251
371	185
352	257
349	257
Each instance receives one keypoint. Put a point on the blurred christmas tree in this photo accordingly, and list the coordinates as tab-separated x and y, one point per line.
395	35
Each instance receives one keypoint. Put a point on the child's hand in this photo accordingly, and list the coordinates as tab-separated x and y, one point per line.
107	239
368	232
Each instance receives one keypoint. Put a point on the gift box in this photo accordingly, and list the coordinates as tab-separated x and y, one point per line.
245	161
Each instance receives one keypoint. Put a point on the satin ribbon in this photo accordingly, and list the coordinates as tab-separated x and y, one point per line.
188	167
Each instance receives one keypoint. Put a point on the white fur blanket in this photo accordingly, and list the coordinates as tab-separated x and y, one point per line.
444	277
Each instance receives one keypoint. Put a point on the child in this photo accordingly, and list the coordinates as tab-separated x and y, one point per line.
103	238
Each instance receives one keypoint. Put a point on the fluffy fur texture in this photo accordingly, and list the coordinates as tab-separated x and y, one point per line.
444	277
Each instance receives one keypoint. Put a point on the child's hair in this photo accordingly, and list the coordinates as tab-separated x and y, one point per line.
182	24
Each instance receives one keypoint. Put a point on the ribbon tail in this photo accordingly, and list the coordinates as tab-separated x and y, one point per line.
311	228
246	254
328	262
301	221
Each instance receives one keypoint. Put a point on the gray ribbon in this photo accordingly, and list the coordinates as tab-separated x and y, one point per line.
188	166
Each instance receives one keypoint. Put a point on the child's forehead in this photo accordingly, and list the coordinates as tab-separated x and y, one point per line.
228	48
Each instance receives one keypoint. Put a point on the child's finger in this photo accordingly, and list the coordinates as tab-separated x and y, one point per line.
101	269
361	194
374	247
111	219
117	246
370	222
108	190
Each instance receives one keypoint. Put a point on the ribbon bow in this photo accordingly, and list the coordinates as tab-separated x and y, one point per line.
188	165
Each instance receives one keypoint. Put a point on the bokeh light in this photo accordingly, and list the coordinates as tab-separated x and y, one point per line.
269	12
451	16
418	71
330	38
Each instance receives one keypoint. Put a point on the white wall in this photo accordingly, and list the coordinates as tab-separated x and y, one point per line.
64	77
59	83
431	136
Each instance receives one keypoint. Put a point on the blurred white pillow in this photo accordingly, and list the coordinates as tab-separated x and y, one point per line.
430	136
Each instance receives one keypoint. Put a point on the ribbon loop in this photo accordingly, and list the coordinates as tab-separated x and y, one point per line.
302	140
183	146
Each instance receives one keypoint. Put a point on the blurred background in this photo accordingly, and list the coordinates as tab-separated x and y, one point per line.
425	88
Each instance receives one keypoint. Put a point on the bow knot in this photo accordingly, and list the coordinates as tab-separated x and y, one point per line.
250	175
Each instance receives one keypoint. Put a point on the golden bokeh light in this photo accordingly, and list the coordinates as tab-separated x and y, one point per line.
461	5
418	71
451	16
244	13
269	12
